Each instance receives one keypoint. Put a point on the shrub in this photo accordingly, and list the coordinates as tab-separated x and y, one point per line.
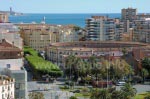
73	97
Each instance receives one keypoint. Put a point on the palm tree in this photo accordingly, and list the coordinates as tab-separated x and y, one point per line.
128	91
94	66
146	63
104	94
100	94
92	60
94	94
145	73
69	67
117	95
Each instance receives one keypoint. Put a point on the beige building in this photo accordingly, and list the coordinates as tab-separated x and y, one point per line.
3	18
39	36
7	88
142	30
10	33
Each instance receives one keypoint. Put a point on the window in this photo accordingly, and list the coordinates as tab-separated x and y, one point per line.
8	65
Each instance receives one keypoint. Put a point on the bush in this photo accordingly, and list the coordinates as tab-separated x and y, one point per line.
85	90
73	97
147	96
70	83
64	87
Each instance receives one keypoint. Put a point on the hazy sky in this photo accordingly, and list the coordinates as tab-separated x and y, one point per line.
74	6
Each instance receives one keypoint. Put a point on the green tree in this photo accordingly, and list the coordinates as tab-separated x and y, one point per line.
145	73
73	97
146	64
116	69
117	95
100	94
75	67
94	94
92	61
147	96
36	95
128	91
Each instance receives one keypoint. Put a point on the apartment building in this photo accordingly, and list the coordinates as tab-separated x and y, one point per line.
128	14
39	36
3	18
127	17
67	33
10	33
142	30
102	28
11	57
7	88
141	16
119	31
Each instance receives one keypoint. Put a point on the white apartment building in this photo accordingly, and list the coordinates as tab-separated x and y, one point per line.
7	88
67	34
142	30
101	28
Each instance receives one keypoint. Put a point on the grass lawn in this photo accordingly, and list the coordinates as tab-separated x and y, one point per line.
81	95
140	96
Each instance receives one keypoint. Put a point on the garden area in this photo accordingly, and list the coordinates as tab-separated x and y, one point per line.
39	65
126	92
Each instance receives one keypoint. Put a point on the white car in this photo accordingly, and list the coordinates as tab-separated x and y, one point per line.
121	83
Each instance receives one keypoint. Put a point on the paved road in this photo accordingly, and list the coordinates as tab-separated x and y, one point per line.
140	88
50	90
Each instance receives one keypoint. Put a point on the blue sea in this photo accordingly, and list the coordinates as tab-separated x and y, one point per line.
59	19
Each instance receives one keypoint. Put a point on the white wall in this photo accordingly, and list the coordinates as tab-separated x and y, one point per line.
7	92
15	64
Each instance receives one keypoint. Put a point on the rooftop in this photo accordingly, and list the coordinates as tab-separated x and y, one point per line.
9	51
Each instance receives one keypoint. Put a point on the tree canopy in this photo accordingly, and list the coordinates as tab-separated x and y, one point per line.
39	64
146	63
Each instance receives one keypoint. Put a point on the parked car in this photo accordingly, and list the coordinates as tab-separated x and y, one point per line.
121	83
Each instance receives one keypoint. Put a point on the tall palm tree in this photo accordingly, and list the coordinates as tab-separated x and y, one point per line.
92	60
69	65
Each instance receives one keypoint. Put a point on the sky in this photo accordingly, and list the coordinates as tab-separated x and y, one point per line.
74	6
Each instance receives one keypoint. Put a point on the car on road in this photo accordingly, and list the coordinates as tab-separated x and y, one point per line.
121	83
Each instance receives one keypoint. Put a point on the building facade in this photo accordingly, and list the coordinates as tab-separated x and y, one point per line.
11	57
128	14
101	28
58	52
142	30
39	36
7	87
10	33
3	18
